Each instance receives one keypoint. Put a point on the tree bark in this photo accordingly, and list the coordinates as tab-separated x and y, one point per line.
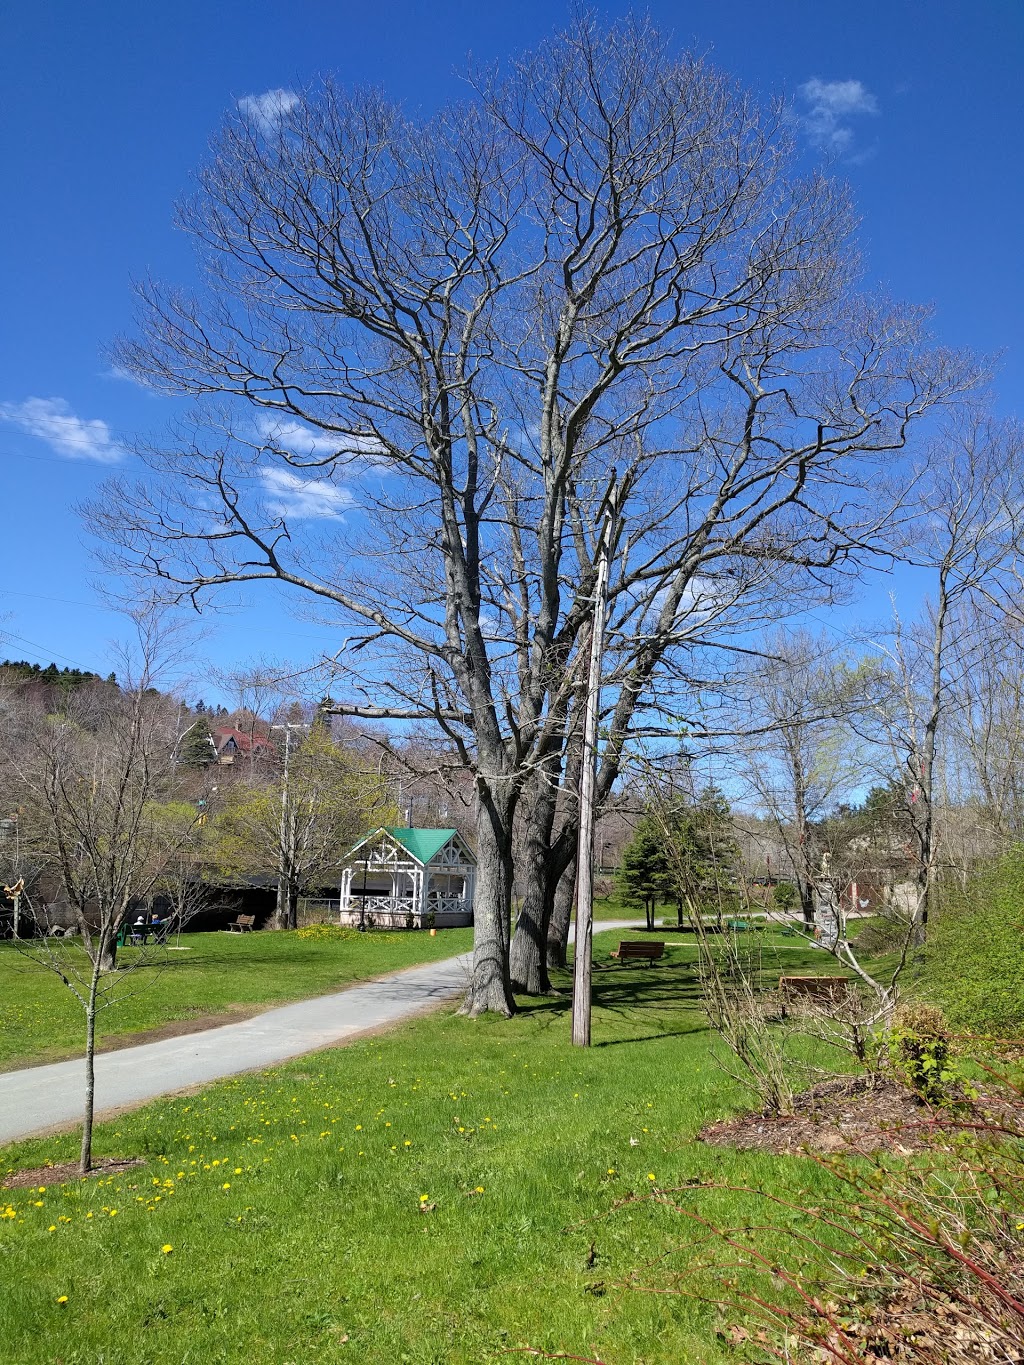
562	893
107	952
528	957
286	910
491	986
85	1159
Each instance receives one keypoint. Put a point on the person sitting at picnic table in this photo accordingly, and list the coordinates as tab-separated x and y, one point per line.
140	929
160	926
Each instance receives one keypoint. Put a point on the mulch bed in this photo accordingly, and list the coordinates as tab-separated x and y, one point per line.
843	1114
67	1171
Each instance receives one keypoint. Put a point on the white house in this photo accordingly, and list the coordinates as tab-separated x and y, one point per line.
409	879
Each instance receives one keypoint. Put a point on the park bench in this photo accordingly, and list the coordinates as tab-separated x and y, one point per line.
646	951
812	988
242	925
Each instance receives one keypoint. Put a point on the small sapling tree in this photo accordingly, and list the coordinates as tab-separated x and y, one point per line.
95	777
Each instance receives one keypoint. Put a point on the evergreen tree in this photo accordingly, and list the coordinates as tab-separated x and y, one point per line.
683	851
646	873
196	749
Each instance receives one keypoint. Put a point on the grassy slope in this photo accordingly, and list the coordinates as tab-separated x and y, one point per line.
41	1021
980	929
292	1200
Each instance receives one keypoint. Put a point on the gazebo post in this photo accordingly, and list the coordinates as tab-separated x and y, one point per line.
424	900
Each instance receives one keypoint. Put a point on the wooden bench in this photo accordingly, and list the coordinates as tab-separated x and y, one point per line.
242	925
812	988
645	951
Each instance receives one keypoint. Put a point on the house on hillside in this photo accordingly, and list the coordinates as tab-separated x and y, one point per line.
409	879
231	744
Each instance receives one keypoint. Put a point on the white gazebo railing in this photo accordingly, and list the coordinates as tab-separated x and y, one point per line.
409	879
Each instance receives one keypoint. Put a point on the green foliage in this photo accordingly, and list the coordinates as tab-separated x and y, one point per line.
974	957
21	671
682	851
918	1050
196	748
328	800
646	875
785	896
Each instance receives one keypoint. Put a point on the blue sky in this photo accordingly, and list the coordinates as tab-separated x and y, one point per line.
108	108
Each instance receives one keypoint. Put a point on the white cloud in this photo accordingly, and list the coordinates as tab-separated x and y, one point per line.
51	420
297	438
307	444
267	110
830	106
303	499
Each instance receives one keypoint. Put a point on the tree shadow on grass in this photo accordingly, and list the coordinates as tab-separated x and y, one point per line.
662	991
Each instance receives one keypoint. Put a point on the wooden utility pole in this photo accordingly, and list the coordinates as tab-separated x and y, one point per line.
585	853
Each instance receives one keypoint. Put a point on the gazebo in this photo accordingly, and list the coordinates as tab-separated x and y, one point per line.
409	879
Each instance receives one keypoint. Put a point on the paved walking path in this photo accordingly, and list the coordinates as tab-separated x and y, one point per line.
44	1097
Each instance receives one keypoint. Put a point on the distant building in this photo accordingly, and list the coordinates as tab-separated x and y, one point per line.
409	878
231	744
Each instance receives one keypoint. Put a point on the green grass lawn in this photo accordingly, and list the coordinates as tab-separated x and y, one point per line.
432	1195
220	974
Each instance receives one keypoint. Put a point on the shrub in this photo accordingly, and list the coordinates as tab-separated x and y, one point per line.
784	895
917	1046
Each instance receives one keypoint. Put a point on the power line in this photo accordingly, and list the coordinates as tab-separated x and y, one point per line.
43	651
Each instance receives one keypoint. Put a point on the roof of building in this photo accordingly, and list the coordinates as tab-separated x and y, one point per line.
223	734
422	844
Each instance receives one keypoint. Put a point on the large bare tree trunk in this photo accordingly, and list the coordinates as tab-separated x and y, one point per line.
491	986
563	894
528	957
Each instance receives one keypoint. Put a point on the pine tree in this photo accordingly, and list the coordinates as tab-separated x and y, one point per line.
196	748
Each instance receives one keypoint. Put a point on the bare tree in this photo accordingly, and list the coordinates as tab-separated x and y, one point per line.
968	538
96	777
456	333
986	721
793	746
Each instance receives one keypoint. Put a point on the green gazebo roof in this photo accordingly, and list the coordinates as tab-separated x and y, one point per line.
423	844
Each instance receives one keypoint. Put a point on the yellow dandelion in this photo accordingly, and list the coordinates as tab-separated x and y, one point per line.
63	1299
167	1248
